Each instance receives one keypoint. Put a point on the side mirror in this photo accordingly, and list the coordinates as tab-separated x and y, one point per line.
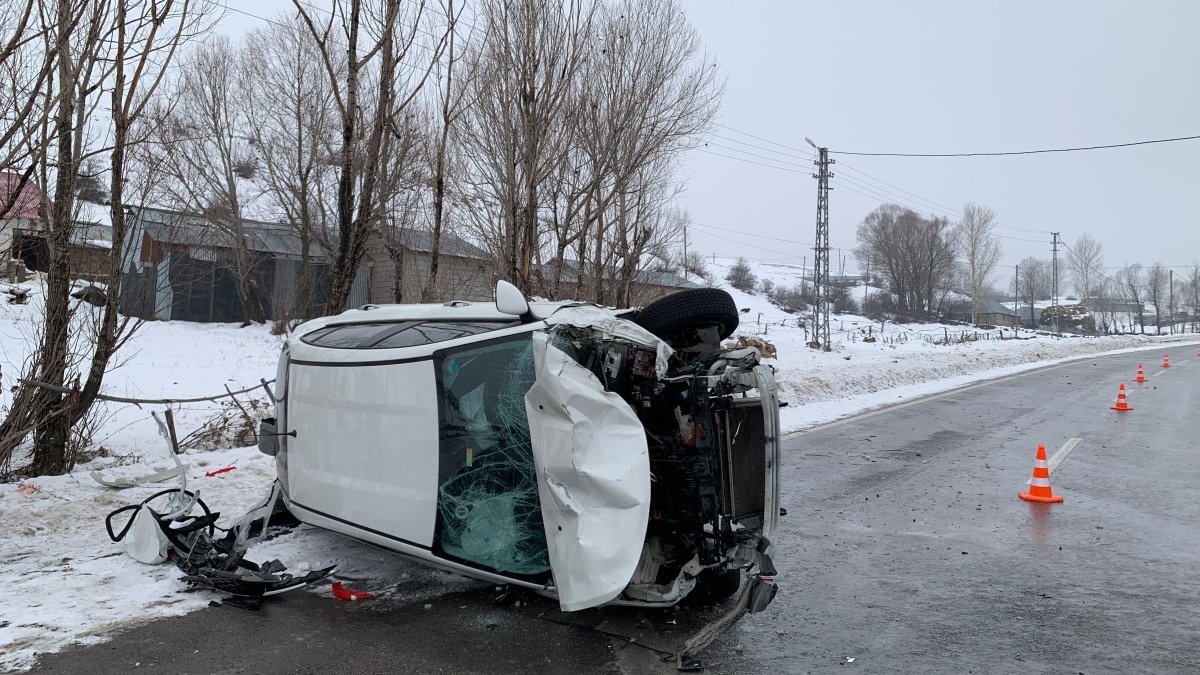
510	300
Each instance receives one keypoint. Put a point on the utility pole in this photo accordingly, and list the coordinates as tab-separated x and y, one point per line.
1054	301
1171	301
685	258
821	262
1017	293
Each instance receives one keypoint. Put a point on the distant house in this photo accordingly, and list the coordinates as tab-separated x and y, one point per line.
1113	305
990	313
18	211
23	244
178	267
400	274
647	284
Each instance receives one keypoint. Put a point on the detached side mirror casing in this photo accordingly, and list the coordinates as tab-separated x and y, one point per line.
510	300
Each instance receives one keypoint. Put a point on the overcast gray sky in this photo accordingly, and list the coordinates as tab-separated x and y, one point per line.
947	76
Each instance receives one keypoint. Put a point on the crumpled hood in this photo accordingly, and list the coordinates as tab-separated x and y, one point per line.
605	323
593	473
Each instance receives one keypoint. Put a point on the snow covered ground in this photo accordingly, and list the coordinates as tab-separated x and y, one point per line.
66	582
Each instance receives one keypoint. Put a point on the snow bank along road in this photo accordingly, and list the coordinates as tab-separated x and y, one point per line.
905	549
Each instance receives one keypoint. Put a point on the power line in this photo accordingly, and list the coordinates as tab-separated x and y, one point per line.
762	147
925	203
747	152
281	24
750	234
915	196
1005	236
921	203
748	161
871	194
742	243
763	236
1110	279
1016	152
806	153
874	193
887	195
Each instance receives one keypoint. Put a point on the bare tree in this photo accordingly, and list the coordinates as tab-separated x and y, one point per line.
120	48
1133	286
741	277
452	75
1034	283
27	64
1157	292
1085	261
366	43
292	121
201	140
526	63
916	256
646	94
980	251
646	225
402	177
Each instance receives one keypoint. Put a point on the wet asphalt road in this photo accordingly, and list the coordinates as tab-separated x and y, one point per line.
905	549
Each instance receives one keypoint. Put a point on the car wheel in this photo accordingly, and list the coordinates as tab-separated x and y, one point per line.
715	586
679	317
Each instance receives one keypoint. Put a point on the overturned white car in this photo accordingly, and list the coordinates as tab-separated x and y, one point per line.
590	454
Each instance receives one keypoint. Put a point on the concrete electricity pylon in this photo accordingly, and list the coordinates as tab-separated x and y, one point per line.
821	266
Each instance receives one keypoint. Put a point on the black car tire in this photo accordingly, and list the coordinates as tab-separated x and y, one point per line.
676	317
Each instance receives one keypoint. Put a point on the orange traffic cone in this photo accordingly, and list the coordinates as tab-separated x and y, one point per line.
1121	404
1141	374
1039	487
1166	363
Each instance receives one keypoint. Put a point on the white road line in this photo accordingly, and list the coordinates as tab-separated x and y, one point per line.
1058	457
1062	453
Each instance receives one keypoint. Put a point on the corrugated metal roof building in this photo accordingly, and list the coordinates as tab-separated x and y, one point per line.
179	266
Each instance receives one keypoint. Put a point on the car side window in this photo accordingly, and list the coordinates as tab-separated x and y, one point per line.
488	506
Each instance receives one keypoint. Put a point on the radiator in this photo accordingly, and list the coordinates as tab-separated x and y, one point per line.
743	459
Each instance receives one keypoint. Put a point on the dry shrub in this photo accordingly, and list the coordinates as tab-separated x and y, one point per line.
233	425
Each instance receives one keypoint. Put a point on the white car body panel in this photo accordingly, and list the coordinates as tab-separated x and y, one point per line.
593	475
365	449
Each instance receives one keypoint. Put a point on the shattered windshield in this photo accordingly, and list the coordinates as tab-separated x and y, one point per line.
488	507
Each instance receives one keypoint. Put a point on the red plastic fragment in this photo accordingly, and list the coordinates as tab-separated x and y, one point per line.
340	591
210	474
